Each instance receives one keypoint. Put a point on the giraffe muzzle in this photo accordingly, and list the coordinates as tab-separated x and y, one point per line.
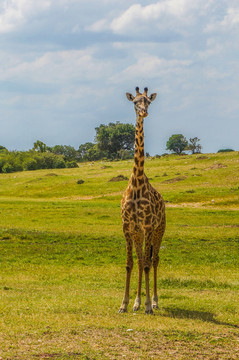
143	114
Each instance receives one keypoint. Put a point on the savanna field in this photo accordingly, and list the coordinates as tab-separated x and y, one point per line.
62	264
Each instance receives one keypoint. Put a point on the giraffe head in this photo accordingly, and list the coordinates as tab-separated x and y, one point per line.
141	101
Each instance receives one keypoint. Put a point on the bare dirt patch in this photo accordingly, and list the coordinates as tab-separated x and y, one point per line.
51	174
191	205
203	157
216	167
119	178
174	180
91	197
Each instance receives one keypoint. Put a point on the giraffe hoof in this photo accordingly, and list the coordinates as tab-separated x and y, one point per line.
135	308
155	306
121	310
149	312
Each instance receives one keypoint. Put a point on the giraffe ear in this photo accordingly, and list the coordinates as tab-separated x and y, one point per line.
130	97
152	97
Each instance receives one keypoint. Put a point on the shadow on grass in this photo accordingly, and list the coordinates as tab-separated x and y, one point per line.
195	315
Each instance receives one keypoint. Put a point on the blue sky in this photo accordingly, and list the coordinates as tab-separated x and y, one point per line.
66	65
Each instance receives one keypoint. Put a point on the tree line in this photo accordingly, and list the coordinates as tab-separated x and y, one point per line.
114	141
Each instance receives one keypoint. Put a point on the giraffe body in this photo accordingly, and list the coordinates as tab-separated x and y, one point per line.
143	215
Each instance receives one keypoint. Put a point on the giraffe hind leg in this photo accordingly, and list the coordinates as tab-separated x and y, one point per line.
154	260
129	267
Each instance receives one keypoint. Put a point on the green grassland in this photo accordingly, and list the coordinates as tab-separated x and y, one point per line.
62	263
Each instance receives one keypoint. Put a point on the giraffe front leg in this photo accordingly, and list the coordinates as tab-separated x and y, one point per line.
125	301
138	243
129	267
147	264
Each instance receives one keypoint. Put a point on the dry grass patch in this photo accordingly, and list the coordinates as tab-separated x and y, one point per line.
96	343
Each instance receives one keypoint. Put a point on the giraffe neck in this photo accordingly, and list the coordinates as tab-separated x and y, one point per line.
138	169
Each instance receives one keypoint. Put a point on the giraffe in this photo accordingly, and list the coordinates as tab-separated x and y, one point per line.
143	214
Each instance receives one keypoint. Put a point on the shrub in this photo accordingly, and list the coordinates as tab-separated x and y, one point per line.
59	163
225	150
30	164
50	161
119	178
2	162
71	164
8	168
17	165
125	154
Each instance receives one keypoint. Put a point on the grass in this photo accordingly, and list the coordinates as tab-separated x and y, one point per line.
62	263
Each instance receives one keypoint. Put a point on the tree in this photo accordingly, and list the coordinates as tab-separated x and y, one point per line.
69	152
83	150
125	154
114	138
2	148
89	152
94	153
193	146
39	146
177	143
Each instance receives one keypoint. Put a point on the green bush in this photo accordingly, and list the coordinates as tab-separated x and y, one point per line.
59	163
8	168
225	150
47	161
30	164
50	161
125	154
71	164
17	165
2	162
11	161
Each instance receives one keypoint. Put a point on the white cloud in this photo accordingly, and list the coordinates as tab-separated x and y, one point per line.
137	16
98	26
59	67
231	18
215	74
51	68
161	15
15	13
229	21
151	67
